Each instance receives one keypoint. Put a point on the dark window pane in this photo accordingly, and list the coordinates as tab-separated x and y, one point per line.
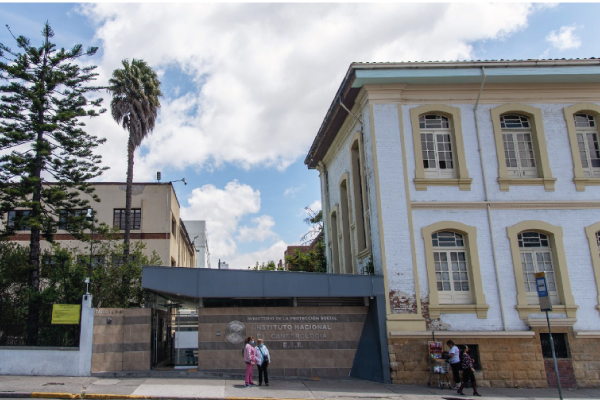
561	345
119	218
15	219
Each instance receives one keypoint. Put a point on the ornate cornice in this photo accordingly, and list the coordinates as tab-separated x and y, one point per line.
506	205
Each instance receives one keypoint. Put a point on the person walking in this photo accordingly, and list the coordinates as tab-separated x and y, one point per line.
454	358
250	360
468	372
263	358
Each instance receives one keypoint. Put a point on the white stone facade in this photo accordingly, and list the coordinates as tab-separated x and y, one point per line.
402	255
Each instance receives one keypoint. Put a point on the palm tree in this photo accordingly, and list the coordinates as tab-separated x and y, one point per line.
135	102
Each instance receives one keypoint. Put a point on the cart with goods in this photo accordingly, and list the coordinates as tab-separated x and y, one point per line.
438	366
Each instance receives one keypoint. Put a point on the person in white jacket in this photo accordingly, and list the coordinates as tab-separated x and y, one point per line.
263	358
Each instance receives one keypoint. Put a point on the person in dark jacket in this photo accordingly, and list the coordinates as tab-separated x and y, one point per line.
454	359
468	372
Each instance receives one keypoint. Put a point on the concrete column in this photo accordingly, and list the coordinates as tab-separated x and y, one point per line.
86	336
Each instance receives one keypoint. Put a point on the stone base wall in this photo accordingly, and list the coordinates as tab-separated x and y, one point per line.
122	339
585	357
303	341
504	362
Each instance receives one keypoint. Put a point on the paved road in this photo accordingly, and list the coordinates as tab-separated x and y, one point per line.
93	387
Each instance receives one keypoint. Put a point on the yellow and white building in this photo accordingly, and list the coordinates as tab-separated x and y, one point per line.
461	180
155	221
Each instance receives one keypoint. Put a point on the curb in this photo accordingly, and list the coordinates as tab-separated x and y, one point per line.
97	396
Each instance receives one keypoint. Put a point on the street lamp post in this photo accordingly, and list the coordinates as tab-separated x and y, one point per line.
90	217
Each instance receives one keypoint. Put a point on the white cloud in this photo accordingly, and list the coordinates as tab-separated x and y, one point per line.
292	191
565	39
315	206
263	75
272	253
222	209
261	231
260	79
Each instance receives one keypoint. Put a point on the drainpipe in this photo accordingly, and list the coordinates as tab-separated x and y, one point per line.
168	230
487	201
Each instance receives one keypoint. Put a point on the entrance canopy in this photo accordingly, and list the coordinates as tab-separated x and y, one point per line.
219	283
350	329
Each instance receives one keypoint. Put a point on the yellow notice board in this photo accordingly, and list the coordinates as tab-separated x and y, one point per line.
66	313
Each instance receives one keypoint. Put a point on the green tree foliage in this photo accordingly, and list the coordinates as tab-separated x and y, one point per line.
270	266
312	260
43	101
14	270
136	91
63	272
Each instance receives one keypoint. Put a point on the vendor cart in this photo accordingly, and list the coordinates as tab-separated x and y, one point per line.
438	367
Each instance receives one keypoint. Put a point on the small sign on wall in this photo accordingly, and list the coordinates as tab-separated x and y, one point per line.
542	289
66	314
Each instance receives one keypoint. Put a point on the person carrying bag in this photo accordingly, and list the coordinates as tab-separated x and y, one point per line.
263	358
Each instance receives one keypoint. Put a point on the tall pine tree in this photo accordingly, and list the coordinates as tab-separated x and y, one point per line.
42	106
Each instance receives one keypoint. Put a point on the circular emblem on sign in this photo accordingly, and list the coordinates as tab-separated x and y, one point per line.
235	332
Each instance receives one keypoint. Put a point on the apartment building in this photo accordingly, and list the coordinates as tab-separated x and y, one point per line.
155	221
461	180
199	235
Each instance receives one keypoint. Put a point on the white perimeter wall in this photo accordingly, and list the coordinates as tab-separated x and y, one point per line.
54	362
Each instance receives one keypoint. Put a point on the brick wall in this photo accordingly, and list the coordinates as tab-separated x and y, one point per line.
565	371
121	339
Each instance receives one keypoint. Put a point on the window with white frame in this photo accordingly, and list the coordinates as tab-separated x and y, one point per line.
587	142
518	146
437	146
536	256
451	268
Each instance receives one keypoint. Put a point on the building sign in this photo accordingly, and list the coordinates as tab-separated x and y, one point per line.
326	337
64	314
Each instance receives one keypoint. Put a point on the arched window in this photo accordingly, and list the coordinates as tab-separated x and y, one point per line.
436	146
587	143
521	146
453	273
346	248
519	151
536	256
582	127
334	244
537	246
593	234
360	198
451	268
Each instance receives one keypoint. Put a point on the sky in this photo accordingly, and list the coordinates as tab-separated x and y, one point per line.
246	87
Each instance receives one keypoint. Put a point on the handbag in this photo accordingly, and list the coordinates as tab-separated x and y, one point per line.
265	358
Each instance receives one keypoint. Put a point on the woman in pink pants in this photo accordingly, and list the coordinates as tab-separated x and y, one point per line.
250	360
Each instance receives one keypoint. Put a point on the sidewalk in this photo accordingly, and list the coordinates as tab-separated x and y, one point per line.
129	388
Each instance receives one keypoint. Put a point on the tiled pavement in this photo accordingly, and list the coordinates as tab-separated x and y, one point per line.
145	387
